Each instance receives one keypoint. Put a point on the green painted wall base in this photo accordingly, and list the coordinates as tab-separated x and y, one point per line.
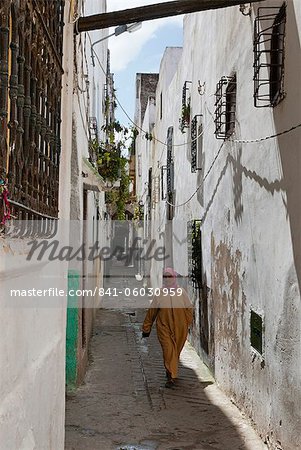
72	332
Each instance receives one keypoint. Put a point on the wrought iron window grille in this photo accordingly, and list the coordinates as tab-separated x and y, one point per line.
185	109
93	135
194	240
225	107
156	195
170	205
163	182
150	190
31	39
269	56
196	142
170	197
93	127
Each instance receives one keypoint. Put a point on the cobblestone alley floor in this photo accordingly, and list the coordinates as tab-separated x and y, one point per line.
123	403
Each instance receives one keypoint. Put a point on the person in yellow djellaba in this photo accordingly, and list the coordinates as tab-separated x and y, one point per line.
173	313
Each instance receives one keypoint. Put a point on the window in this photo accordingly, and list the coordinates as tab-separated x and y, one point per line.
161	106
196	143
30	105
256	334
269	55
150	189
194	240
163	182
139	166
225	107
93	134
170	197
185	110
156	195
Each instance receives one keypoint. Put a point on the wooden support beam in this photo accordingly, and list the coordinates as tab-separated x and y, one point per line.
150	12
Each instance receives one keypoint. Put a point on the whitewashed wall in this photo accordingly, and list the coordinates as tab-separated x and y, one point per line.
250	210
88	101
32	346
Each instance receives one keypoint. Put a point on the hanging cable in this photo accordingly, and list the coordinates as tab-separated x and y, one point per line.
236	141
251	141
205	176
128	116
246	141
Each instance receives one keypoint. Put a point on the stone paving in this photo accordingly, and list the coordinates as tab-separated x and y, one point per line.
123	404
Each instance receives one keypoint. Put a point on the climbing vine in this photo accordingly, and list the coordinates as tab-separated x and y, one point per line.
185	117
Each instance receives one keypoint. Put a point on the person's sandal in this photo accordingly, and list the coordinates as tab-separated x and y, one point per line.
170	384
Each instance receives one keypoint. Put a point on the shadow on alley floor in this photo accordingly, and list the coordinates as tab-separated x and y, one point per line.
123	403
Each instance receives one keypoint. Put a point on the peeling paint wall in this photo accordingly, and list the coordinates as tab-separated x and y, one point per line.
248	200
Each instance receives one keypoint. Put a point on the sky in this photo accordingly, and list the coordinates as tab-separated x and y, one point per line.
140	51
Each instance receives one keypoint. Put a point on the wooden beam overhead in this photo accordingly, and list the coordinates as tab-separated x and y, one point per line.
150	12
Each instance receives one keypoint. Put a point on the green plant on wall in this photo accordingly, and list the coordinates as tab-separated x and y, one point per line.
118	198
109	152
185	117
113	166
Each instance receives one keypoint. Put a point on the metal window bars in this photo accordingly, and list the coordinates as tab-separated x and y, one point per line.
269	56
170	161
156	195
170	197
225	107
93	135
163	182
194	240
31	38
196	142
93	127
185	109
184	92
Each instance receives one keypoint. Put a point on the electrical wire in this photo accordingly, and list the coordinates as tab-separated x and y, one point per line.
126	113
244	141
236	141
200	185
251	141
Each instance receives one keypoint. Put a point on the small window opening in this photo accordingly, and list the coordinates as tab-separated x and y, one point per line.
161	106
196	143
256	326
194	247
225	107
269	55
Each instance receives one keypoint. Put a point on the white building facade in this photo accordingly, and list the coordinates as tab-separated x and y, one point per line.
227	179
45	112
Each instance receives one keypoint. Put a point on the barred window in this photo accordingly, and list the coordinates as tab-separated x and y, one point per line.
194	240
31	38
184	120
163	182
170	196
269	55
196	143
150	190
225	107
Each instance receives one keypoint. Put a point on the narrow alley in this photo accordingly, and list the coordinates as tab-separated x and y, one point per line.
150	149
123	403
